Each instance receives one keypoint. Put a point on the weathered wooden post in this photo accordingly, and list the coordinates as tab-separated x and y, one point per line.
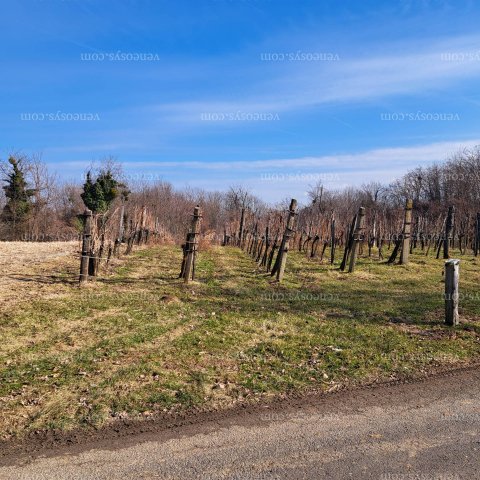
121	231
359	226
272	251
191	247
406	233
448	231
131	236
86	245
110	252
260	248
242	226
332	240
264	258
451	292
348	244
143	223
286	238
476	248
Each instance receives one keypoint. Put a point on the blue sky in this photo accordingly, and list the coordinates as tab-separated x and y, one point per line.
271	94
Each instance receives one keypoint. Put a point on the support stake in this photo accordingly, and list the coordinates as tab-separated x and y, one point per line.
452	268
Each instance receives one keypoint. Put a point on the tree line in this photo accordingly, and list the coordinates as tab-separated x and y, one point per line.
36	205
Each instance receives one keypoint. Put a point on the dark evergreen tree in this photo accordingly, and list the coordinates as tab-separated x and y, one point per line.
19	204
98	195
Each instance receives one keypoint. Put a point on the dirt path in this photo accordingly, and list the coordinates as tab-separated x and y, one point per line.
427	430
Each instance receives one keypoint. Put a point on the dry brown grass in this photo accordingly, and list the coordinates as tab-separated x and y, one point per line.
35	269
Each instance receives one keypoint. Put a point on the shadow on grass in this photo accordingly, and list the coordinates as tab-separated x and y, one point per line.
66	279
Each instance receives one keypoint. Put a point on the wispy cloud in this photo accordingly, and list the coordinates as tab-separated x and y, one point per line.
104	147
395	157
398	69
276	178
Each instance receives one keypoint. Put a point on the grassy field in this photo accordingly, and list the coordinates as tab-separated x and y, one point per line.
138	342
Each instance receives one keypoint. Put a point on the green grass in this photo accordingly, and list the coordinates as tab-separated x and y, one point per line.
140	342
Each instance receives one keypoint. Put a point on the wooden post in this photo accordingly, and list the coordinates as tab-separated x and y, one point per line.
396	248
121	231
451	292
332	240
86	244
286	238
242	224
348	244
143	223
98	256
260	249
109	254
272	252
448	232
264	259
476	248
191	247
359	226
407	225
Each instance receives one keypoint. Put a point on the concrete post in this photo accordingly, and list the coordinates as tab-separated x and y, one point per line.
451	291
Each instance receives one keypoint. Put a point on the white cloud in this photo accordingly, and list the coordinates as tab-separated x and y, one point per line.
398	156
275	179
408	68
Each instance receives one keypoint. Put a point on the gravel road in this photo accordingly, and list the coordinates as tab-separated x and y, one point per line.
425	430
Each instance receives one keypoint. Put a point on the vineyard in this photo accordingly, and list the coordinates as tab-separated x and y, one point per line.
133	304
130	325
